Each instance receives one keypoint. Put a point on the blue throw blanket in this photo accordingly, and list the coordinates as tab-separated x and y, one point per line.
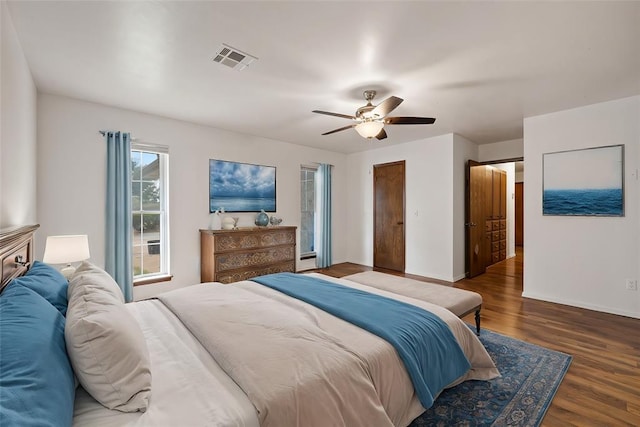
431	354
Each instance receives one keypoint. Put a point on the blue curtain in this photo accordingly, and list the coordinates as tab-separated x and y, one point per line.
323	225
118	218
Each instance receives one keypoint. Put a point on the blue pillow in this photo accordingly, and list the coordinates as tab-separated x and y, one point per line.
37	384
48	282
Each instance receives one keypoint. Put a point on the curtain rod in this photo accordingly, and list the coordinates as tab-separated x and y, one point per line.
103	132
318	163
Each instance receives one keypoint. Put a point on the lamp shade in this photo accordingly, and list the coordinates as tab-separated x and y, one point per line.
369	129
66	249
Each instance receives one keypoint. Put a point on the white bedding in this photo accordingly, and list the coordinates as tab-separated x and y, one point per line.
189	388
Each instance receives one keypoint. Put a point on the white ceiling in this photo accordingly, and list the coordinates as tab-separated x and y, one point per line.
478	67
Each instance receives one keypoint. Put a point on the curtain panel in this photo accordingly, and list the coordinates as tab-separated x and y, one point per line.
118	261
323	225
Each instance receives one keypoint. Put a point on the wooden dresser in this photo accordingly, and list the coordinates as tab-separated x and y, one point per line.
232	255
495	197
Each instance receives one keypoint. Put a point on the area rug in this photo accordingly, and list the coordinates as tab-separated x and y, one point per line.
520	397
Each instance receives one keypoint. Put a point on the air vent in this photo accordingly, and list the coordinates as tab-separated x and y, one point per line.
233	58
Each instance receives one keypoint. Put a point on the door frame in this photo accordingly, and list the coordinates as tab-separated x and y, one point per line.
404	210
519	200
467	201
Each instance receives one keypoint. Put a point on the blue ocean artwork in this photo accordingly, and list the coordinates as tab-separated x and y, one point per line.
586	202
241	187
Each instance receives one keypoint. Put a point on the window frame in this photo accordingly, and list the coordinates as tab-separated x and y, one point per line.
163	178
314	169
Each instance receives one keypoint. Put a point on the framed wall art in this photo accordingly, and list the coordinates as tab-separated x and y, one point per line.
241	187
586	182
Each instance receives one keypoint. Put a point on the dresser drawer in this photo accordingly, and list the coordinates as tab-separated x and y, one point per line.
234	260
495	225
249	240
503	224
503	234
246	274
488	225
495	236
503	254
503	244
495	257
495	246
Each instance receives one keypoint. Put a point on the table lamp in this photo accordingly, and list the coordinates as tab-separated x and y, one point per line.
65	250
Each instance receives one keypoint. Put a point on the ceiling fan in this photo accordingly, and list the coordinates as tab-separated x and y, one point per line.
370	119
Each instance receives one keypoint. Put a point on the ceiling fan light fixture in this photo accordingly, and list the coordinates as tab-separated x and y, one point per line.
369	129
370	119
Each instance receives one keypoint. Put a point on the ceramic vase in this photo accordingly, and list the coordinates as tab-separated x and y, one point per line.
262	219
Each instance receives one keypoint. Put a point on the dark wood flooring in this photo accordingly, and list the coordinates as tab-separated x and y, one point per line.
602	386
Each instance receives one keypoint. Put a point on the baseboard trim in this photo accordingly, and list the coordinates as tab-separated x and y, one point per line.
459	277
579	304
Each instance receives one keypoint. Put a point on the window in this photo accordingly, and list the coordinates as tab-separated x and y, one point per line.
307	211
149	210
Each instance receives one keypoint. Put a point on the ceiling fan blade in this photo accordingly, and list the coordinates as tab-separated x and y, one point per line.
409	120
387	106
381	135
339	129
344	116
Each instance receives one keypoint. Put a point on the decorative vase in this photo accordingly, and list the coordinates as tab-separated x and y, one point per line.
275	220
228	223
262	219
214	221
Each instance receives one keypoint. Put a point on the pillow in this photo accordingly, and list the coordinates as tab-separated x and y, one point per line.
48	282
37	384
97	278
105	343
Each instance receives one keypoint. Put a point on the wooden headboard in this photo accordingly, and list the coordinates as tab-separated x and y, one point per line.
16	252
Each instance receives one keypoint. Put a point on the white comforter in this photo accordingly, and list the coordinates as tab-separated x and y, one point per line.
293	364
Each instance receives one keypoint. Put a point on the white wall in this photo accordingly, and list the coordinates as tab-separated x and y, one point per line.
72	168
583	261
429	202
17	130
503	150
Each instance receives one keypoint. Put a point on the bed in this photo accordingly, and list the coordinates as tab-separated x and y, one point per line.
246	354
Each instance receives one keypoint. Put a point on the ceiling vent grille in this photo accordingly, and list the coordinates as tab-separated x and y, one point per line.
233	58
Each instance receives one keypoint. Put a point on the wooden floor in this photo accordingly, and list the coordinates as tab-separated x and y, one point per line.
602	386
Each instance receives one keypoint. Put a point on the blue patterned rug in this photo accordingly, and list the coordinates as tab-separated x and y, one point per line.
520	397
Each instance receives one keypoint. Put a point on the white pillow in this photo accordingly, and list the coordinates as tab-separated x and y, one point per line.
105	344
97	279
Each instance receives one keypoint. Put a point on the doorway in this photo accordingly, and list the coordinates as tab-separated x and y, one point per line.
389	216
491	213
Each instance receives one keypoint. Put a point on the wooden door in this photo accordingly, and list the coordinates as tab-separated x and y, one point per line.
488	192
388	216
519	208
475	219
